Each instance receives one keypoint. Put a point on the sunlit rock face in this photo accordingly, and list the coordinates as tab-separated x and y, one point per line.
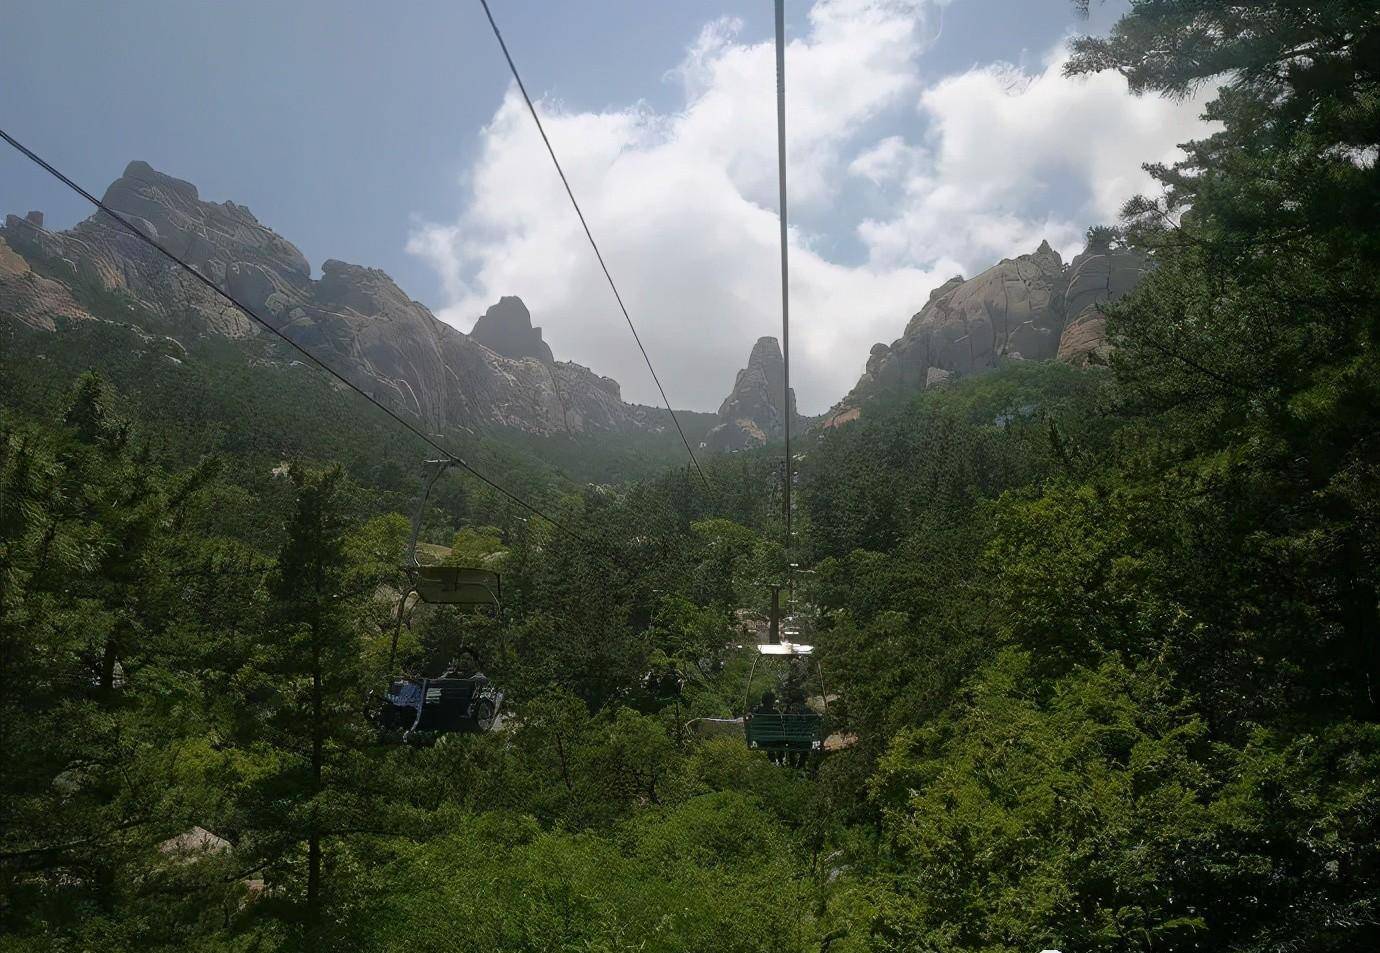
1096	277
752	415
354	318
1032	307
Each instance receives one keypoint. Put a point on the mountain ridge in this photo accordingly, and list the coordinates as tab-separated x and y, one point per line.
1031	307
502	373
353	317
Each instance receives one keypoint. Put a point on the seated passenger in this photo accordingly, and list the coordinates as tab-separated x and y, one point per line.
465	666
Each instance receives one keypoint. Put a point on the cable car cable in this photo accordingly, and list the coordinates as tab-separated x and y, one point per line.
785	274
154	243
593	244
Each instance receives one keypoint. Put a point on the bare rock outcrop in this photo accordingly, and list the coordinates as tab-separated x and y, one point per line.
1033	307
1096	277
752	414
354	318
506	328
33	300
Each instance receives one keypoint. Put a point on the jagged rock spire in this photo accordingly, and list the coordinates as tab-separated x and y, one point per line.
752	415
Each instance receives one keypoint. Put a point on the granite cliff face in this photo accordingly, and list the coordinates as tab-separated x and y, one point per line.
354	318
752	415
1097	276
29	298
1033	307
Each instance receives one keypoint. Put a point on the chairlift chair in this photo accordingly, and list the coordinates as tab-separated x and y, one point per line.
422	708
784	735
442	585
430	706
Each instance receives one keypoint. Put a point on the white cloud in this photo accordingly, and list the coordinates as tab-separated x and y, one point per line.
978	166
1009	144
890	160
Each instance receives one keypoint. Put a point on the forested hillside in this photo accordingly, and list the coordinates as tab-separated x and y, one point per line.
1100	646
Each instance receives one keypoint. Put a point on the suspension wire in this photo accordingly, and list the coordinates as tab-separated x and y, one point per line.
421	435
785	274
522	88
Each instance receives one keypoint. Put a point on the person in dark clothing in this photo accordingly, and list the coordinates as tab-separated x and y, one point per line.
767	706
793	690
463	666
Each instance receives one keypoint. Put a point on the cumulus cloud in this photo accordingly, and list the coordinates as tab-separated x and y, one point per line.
975	167
888	161
1018	156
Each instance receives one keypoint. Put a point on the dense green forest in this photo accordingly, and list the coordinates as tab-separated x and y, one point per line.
1104	643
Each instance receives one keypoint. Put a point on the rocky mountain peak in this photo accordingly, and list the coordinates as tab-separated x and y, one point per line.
367	291
139	174
752	415
209	236
1031	307
354	318
506	328
946	287
766	351
765	365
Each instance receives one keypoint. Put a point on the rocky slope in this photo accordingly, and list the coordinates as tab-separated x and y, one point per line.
1033	307
354	318
752	415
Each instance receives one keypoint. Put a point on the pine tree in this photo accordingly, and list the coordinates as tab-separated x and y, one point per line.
307	692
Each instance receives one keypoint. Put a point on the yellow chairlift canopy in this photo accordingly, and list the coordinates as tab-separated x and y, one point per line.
458	585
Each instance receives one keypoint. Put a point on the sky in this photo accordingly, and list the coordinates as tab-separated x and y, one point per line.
926	138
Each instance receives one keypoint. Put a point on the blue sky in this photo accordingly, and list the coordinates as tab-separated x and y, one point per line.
388	134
